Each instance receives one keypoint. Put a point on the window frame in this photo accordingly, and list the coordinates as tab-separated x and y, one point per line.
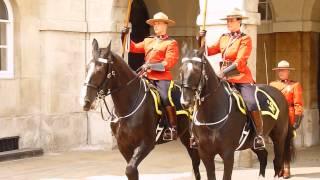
9	72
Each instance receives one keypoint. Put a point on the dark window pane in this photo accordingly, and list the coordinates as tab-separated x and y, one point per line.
3	33
262	10
265	10
3	59
3	11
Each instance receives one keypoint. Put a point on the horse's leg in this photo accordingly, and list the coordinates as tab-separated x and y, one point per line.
278	143
193	153
228	160
263	160
139	154
208	161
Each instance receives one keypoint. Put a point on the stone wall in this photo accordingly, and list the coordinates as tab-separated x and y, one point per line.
52	46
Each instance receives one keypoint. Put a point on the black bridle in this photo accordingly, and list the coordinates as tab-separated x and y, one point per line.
202	82
102	90
110	74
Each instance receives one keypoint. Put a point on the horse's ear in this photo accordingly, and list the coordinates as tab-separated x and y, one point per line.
95	48
200	52
109	47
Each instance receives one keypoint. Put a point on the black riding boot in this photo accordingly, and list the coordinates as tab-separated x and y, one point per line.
258	140
171	132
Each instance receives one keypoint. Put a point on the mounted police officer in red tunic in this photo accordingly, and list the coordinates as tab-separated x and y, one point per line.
292	91
235	48
161	54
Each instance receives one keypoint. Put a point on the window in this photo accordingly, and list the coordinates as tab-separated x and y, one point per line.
265	10
6	40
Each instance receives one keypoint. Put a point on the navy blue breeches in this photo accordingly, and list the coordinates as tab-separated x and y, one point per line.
164	90
248	93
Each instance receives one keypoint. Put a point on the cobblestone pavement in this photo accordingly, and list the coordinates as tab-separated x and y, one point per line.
166	162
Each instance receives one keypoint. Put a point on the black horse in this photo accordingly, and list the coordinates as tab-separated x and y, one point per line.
218	123
135	124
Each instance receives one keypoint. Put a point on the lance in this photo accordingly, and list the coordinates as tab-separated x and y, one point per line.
126	24
202	40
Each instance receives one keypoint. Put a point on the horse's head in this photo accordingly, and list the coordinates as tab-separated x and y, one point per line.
99	71
193	78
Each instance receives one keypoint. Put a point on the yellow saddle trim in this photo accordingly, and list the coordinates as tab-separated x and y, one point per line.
156	98
273	107
240	102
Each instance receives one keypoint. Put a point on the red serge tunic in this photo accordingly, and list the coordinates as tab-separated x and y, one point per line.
292	91
158	49
235	49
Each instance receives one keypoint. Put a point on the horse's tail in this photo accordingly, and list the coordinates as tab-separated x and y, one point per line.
289	148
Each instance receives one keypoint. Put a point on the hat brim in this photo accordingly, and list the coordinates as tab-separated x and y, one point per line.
232	17
167	21
282	68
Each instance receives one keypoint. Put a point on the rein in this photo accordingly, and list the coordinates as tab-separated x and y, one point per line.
198	123
114	117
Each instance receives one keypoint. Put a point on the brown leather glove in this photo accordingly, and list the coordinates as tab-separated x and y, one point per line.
202	35
297	121
124	32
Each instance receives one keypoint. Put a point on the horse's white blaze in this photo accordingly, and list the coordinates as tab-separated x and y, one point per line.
189	66
90	72
84	89
83	94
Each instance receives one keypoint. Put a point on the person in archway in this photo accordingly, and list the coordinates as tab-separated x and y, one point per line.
292	91
235	48
161	54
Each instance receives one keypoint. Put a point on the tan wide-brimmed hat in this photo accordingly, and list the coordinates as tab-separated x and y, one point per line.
160	17
235	13
283	64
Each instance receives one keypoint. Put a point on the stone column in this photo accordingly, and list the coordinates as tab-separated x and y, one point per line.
216	27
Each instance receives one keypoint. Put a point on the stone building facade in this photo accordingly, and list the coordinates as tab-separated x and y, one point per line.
48	44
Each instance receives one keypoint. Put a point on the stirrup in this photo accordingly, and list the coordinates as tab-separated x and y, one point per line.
169	134
258	143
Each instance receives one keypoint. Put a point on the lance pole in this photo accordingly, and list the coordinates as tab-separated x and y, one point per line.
203	27
266	61
126	24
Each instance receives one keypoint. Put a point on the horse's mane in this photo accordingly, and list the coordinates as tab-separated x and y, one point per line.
200	53
121	61
118	58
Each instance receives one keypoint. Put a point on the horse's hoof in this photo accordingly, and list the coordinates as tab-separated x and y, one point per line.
261	177
276	178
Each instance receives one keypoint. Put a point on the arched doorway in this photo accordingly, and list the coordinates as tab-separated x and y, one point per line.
140	30
184	31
